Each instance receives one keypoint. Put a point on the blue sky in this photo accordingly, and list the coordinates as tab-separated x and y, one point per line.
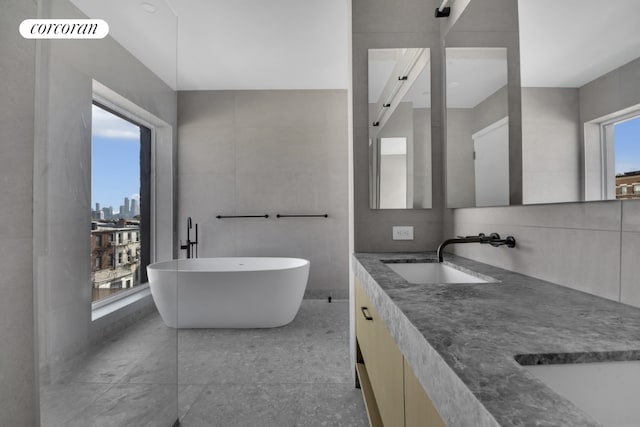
115	159
627	145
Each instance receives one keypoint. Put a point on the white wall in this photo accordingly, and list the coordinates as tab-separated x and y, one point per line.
268	152
17	62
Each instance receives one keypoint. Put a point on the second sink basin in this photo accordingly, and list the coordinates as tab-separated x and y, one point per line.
433	273
608	391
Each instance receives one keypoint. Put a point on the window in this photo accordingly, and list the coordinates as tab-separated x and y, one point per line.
98	240
621	145
98	263
121	184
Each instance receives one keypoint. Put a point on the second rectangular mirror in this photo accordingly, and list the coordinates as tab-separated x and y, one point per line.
477	127
400	129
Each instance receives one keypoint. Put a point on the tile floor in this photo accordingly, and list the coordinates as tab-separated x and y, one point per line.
297	375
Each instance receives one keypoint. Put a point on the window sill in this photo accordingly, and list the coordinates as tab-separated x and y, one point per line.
112	304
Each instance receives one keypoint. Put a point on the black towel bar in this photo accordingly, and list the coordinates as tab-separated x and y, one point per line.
242	216
303	216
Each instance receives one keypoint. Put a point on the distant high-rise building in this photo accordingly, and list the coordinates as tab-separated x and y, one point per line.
127	211
135	209
97	207
108	212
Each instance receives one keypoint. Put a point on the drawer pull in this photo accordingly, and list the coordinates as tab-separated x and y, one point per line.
365	313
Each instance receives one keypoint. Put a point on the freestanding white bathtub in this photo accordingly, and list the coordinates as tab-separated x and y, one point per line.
228	292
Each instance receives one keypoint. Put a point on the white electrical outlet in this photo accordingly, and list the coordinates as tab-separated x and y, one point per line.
402	232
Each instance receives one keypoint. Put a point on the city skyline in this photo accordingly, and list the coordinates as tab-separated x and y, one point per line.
115	159
130	206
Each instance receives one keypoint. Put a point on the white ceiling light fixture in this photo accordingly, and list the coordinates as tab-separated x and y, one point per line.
148	7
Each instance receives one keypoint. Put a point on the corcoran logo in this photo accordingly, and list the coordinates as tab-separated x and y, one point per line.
64	29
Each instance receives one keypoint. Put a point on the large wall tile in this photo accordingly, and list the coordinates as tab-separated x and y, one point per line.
587	260
603	215
196	108
17	62
207	149
631	215
629	277
286	152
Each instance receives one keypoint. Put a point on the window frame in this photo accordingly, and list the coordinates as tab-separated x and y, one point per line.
147	138
607	147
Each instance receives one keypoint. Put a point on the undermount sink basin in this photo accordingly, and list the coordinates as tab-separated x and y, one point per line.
433	273
607	391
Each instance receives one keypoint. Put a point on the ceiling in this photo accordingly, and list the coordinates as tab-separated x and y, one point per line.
234	44
474	74
304	44
568	43
381	64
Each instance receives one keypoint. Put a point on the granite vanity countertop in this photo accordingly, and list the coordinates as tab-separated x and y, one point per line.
461	340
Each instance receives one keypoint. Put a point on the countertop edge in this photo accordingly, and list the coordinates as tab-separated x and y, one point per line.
446	390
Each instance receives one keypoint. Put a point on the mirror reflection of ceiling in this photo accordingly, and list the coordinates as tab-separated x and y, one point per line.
568	43
381	64
473	74
239	44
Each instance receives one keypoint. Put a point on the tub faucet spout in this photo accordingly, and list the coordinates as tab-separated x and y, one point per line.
191	246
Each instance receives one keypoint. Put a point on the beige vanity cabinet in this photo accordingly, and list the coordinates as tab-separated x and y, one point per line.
393	396
418	408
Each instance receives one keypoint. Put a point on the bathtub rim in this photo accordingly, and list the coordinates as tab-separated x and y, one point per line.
174	264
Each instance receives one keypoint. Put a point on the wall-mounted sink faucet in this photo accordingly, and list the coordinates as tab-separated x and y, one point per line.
191	246
493	239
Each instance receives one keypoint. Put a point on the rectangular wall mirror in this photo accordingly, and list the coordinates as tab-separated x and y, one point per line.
400	129
580	78
477	127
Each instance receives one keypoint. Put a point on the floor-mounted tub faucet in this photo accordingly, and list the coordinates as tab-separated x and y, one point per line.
493	239
191	246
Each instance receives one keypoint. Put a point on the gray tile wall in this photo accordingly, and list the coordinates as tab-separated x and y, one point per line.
630	248
612	92
381	24
589	246
17	62
62	177
550	145
573	244
268	152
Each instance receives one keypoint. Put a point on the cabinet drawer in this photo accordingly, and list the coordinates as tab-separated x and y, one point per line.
382	359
